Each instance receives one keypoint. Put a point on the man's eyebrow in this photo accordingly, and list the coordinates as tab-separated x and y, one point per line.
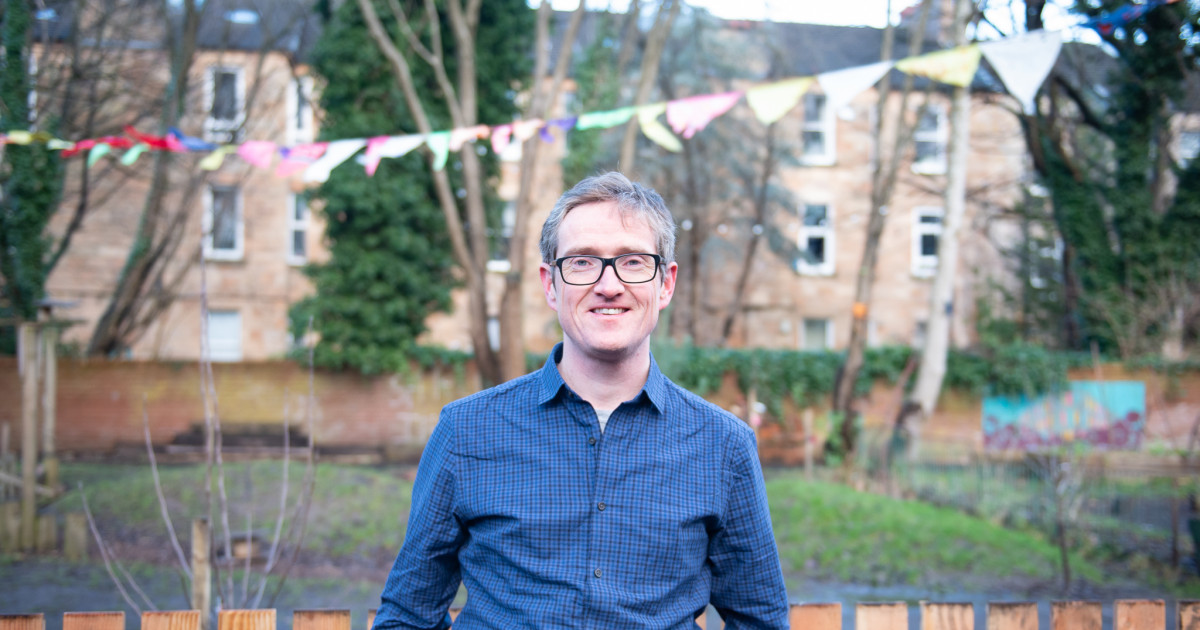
593	251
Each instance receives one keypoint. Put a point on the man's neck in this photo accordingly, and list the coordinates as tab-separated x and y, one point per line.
604	384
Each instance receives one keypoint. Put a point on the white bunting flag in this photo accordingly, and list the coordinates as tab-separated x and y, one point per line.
336	153
1023	62
841	86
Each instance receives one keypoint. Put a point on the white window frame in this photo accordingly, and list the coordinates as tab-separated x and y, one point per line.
497	261
827	343
236	252
938	136
221	129
803	266
1188	149
224	349
824	124
297	225
301	119
924	266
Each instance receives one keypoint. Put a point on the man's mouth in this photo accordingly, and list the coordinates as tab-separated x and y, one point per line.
608	311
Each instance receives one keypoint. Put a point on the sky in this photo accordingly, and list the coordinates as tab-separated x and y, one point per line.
858	12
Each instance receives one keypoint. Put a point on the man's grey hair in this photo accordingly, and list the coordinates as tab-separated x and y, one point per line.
632	199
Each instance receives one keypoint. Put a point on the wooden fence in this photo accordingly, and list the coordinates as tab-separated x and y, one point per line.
1128	614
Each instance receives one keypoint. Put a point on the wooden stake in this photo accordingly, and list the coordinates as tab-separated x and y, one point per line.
93	621
201	571
49	403
29	402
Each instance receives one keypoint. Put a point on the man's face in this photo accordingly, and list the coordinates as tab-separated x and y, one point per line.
609	320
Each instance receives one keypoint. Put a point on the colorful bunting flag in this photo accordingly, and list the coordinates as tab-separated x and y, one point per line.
648	120
189	142
337	152
566	124
689	115
1106	23
770	102
100	150
439	143
841	86
462	135
501	137
604	120
17	136
298	158
214	160
134	153
257	152
1023	62
389	147
956	66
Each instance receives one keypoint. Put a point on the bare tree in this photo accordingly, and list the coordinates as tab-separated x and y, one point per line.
465	216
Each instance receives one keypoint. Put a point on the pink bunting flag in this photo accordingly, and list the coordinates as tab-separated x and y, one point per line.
525	129
298	158
501	137
689	115
381	147
257	152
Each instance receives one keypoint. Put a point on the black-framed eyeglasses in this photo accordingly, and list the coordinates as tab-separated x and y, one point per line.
630	268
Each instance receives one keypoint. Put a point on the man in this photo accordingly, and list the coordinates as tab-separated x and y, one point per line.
594	493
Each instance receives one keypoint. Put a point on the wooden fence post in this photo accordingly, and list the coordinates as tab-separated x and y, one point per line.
263	619
1012	616
1139	614
1187	615
27	350
49	403
75	537
202	572
809	444
171	620
321	620
93	621
35	621
892	616
371	618
939	616
1075	616
815	616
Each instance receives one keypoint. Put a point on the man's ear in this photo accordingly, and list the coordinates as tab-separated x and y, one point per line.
546	273
667	290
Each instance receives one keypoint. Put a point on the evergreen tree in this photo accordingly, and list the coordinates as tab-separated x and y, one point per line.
390	263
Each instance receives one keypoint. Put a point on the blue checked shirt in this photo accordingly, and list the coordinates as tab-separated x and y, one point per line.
550	523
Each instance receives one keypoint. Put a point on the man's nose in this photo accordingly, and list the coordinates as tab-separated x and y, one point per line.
608	283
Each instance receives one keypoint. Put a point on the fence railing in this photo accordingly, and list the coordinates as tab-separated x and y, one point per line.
1128	614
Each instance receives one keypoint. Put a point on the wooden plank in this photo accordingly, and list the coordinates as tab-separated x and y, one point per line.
947	616
1139	614
171	620
94	621
816	616
36	621
1075	616
702	620
1012	616
371	617
889	616
246	619
1187	614
454	610
320	620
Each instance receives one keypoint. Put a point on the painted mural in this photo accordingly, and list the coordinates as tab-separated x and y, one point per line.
1104	415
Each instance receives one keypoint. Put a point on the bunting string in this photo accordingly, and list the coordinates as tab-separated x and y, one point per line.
1021	62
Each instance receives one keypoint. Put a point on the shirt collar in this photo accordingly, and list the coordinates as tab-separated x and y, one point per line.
655	389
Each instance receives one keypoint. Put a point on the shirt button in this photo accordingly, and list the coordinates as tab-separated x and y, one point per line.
597	573
591	441
601	506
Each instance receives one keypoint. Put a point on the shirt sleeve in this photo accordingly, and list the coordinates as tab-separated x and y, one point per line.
747	589
426	574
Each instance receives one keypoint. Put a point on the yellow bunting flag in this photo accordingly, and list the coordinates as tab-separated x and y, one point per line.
648	119
956	66
54	144
19	137
770	102
213	161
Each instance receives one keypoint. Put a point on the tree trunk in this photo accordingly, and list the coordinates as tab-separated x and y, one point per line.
760	219
932	371
650	62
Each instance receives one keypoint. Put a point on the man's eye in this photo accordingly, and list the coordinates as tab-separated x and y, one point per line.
633	263
581	263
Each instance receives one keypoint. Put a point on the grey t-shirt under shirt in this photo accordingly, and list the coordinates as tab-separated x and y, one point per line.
602	415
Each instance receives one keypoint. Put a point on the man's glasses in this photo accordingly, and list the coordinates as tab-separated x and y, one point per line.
630	268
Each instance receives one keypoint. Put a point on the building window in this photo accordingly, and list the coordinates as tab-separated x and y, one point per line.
920	332
816	241
225	93
817	141
1189	147
493	330
929	139
223	231
301	125
818	334
927	232
297	229
499	262
224	336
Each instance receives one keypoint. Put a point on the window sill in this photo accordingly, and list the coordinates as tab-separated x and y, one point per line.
929	169
220	256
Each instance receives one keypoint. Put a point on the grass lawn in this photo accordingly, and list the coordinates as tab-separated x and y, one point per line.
825	531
